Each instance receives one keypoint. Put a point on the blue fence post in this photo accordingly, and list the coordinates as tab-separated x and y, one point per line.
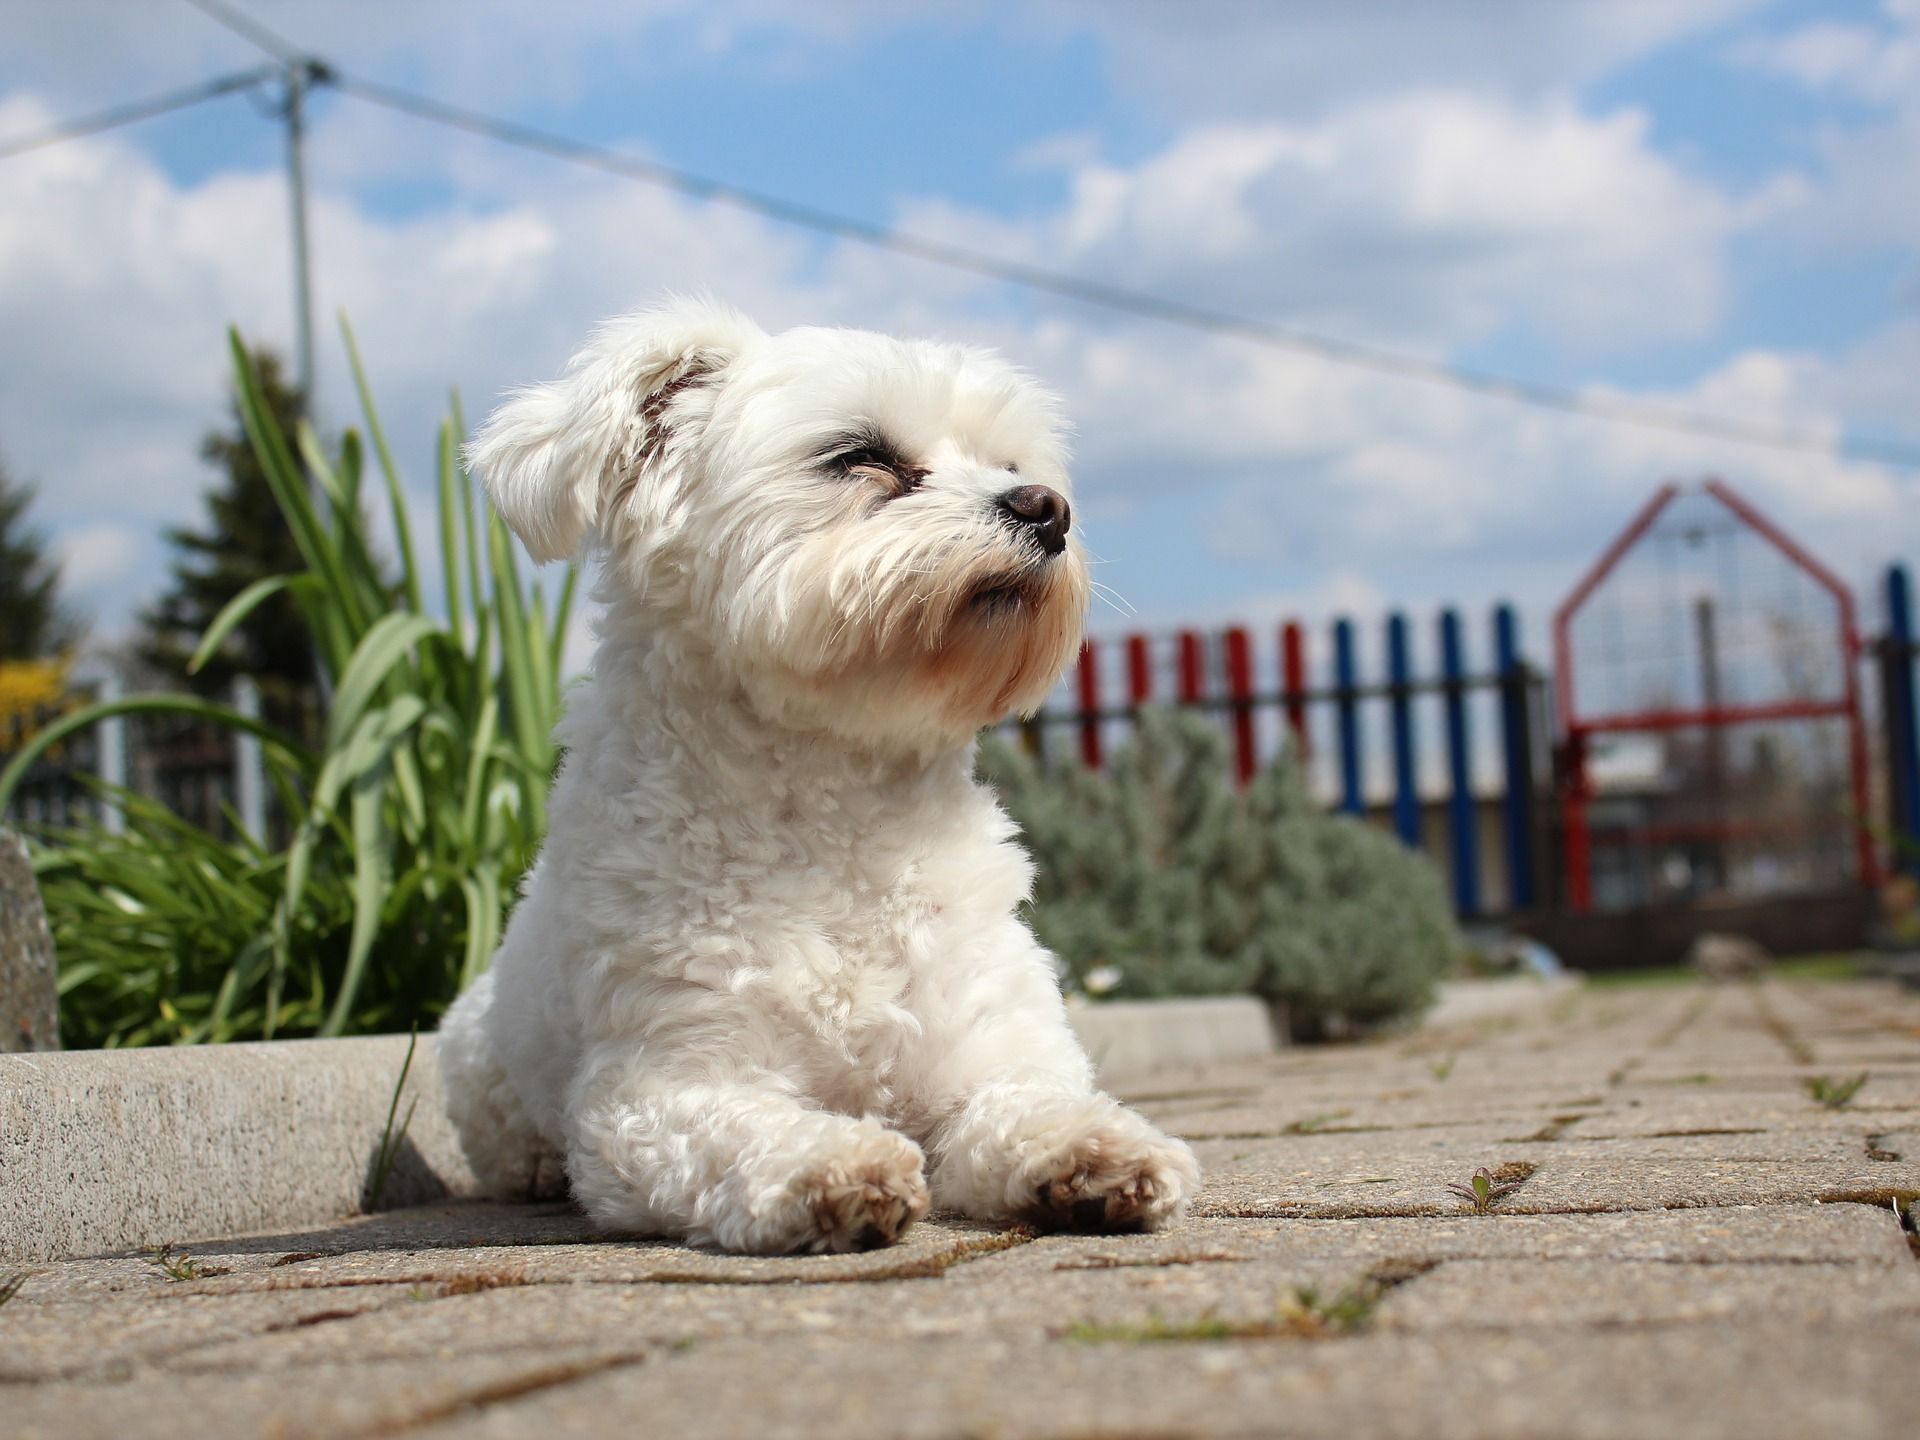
1903	725
1516	740
1463	836
1352	799
1406	793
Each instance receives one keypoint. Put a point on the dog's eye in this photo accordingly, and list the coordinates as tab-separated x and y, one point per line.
866	457
879	461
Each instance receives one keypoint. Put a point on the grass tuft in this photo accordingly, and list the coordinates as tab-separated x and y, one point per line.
1303	1313
176	1264
1832	1093
1315	1123
1487	1188
390	1140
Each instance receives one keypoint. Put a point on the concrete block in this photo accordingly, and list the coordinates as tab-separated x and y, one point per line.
1127	1038
29	994
106	1150
116	1149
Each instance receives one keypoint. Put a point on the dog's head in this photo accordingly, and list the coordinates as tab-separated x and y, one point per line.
874	534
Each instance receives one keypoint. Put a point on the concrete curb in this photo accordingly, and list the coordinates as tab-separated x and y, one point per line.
107	1150
1505	998
104	1150
1127	1038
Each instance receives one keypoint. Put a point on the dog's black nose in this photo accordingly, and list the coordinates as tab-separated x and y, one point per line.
1045	511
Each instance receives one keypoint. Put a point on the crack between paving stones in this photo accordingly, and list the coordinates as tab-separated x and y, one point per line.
1303	1314
450	1287
1797	1049
1435	1212
1696	1008
919	1267
1895	1314
1120	1262
487	1395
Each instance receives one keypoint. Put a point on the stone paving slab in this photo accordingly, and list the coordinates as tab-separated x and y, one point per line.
1692	1381
1683	1257
1516	1294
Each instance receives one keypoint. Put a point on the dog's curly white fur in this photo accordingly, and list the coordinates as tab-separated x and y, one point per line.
766	988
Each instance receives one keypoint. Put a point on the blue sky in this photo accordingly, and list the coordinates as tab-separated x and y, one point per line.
1695	201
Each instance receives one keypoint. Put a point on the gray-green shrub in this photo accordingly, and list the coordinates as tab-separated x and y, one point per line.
1161	870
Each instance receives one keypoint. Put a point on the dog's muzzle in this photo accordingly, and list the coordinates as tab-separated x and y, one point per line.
1041	513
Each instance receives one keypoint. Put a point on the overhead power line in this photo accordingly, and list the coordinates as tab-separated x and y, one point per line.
1078	288
1139	303
137	110
251	31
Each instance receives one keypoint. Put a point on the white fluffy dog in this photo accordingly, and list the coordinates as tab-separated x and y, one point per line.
766	988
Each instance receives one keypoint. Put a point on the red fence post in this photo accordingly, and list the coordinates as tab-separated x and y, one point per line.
1240	687
1139	671
1293	671
1193	668
1089	705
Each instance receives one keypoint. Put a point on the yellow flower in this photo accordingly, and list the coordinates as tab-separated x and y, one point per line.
29	690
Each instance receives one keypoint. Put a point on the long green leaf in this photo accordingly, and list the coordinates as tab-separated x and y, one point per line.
80	719
382	648
449	532
233	613
283	478
371	878
396	493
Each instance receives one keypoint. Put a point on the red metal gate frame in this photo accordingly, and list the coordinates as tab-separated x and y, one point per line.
1577	790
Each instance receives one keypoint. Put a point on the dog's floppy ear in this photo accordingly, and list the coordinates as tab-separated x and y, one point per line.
552	454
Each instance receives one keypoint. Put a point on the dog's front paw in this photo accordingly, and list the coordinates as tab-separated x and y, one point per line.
1118	1174
1063	1161
862	1199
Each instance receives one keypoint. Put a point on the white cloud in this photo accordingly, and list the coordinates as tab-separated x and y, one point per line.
1212	59
93	554
1432	219
1861	198
1215	473
1875	63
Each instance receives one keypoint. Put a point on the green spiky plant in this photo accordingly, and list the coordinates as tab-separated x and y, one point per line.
1482	1191
1832	1093
410	822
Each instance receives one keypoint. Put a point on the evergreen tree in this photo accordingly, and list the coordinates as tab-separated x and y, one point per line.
245	539
32	623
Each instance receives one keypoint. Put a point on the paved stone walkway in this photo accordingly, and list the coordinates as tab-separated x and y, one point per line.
1697	1247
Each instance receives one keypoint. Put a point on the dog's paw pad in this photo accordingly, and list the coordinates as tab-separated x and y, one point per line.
1115	1181
866	1203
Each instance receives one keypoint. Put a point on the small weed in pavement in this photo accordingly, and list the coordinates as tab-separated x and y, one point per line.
1909	1223
1832	1093
390	1139
10	1287
1315	1122
177	1264
1483	1192
1441	1069
1304	1313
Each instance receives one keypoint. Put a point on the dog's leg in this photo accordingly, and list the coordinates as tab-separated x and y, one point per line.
503	1146
1022	1133
737	1161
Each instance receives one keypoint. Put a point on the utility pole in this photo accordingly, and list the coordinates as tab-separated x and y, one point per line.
301	76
